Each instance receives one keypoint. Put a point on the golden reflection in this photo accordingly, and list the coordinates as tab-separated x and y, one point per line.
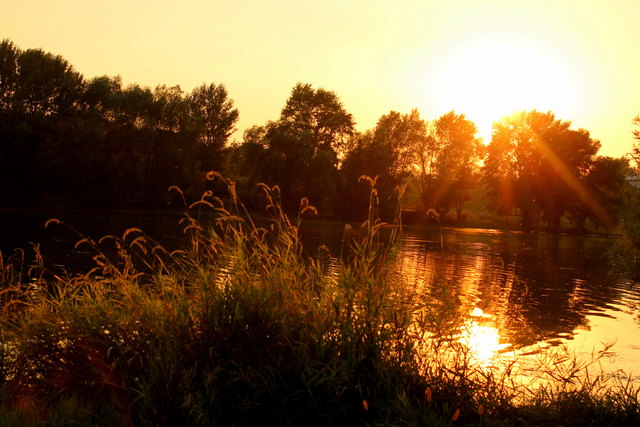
524	334
482	339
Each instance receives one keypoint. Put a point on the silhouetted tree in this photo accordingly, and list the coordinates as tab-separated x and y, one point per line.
627	253
171	111
39	91
300	152
11	136
95	141
457	162
46	84
212	118
247	166
537	164
388	152
9	54
426	156
605	183
360	160
320	113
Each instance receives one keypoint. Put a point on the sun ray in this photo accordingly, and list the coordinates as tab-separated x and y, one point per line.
572	181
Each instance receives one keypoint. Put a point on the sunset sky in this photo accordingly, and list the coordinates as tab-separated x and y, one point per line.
485	59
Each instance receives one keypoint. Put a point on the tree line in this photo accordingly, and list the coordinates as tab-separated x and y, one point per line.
63	137
66	138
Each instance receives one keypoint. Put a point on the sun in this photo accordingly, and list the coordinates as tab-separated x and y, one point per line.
489	77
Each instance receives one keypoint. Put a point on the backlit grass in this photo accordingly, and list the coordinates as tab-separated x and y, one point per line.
242	327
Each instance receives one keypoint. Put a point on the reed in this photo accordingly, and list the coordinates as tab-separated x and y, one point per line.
242	327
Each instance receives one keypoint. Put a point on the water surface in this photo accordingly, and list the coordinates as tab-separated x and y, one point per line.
519	292
524	293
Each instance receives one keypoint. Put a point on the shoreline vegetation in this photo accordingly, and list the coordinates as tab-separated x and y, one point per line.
240	327
410	217
68	141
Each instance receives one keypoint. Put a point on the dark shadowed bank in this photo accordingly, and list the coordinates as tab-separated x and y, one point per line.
240	327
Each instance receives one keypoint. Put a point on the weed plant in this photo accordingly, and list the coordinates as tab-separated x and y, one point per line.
242	327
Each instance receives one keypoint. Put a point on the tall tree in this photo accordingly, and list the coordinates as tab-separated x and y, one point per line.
457	162
213	114
46	84
61	136
300	152
387	152
212	119
39	101
10	133
9	54
320	113
425	159
101	96
537	164
135	107
170	109
605	182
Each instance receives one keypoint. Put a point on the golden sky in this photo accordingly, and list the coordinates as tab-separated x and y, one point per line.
485	59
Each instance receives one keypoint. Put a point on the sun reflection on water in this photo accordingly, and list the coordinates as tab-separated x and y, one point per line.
546	301
482	338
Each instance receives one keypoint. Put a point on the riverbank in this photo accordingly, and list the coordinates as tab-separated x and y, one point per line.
476	215
243	328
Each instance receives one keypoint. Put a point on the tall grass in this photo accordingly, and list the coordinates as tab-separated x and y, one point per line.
242	327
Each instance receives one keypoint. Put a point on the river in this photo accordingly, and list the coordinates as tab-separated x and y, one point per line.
525	294
520	292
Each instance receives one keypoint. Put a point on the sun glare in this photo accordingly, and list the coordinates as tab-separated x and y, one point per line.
489	78
482	339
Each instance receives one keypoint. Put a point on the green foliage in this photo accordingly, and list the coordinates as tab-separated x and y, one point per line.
457	162
537	164
241	327
606	184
